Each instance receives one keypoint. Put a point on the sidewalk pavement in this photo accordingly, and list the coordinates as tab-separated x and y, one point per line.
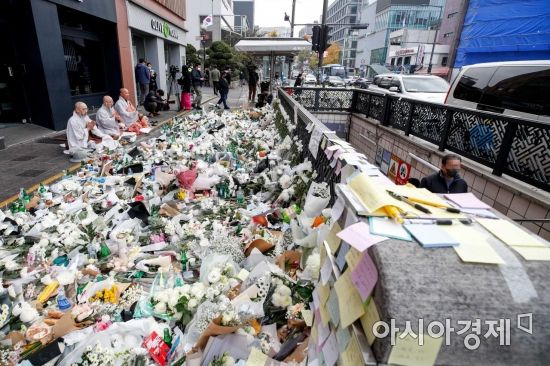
40	157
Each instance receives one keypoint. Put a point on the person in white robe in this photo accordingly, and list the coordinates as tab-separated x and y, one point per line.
108	121
79	128
127	112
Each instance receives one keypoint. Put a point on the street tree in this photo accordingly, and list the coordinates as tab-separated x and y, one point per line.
333	54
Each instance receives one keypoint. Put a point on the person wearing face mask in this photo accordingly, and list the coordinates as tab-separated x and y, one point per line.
196	80
447	180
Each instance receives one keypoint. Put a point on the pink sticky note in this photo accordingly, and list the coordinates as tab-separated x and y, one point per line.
359	236
329	153
364	276
338	168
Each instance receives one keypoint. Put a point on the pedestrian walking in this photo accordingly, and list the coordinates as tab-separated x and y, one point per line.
197	79
253	78
224	91
153	75
215	75
206	76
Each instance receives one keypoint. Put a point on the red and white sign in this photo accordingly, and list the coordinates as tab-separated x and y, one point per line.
394	164
405	51
403	173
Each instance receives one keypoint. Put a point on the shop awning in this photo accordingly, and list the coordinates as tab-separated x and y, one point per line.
273	46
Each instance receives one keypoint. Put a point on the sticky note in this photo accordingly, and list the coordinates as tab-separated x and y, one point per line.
343	336
256	358
324	292
534	253
341	257
408	352
332	239
384	226
352	355
509	233
349	301
474	246
243	275
308	317
333	308
368	320
325	315
330	350
353	257
337	210
326	271
364	276
358	236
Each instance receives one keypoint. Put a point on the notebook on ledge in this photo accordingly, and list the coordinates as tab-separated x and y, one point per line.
430	236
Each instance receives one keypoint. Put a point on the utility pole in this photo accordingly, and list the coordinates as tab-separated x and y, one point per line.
435	39
292	21
323	32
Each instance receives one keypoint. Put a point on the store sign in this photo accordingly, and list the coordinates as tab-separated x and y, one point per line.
164	28
405	51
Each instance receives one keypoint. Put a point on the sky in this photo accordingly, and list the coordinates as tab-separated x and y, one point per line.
271	13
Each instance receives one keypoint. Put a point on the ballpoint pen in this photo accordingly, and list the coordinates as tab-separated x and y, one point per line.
410	202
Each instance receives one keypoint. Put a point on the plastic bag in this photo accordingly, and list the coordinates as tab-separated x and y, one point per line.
161	291
216	260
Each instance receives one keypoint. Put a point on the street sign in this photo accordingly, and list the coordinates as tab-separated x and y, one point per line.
420	54
403	173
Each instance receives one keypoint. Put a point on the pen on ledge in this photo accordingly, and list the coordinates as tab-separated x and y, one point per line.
410	202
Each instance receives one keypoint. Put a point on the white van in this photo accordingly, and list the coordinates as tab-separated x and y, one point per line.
518	89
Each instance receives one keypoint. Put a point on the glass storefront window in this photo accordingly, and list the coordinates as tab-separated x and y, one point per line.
84	60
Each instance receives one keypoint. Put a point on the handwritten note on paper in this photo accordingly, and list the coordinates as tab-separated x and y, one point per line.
408	352
330	350
337	210
364	276
510	234
359	236
352	355
256	358
333	308
466	200
343	336
332	239
341	257
474	246
324	292
353	257
325	315
326	271
349	301
534	253
368	320
308	317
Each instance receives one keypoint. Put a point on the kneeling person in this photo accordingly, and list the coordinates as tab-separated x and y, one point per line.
82	132
154	103
108	121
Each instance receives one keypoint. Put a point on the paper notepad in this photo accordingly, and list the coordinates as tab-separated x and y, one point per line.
373	197
431	236
510	234
534	253
384	226
466	200
474	246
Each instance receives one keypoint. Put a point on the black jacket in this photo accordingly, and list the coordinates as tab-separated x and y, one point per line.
298	82
196	77
223	86
436	183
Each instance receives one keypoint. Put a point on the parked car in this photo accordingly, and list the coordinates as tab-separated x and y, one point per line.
362	83
335	81
349	80
310	79
518	88
427	88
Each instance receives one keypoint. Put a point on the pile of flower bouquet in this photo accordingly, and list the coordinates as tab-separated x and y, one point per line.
197	246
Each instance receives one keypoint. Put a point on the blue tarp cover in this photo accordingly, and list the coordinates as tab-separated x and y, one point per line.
505	30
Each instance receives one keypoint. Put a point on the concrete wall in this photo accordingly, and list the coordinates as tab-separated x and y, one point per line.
509	196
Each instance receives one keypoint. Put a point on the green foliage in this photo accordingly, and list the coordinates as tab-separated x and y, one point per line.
221	54
191	55
181	307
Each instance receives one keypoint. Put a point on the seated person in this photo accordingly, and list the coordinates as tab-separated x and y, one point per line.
82	133
108	121
154	103
447	179
127	112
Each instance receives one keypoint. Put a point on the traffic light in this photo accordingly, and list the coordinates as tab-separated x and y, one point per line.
323	42
316	38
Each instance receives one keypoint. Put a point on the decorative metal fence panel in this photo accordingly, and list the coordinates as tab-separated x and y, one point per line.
513	146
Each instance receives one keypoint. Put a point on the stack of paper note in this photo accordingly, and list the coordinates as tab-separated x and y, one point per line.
431	236
527	245
466	200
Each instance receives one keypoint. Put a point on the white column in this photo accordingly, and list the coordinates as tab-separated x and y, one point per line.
154	51
177	55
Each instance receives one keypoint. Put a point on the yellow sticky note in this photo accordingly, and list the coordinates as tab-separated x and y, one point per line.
308	317
243	275
349	301
324	292
332	240
534	253
368	319
352	355
256	358
373	196
509	233
408	352
325	314
474	246
353	256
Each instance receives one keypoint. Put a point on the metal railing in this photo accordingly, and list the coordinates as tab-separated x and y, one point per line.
508	145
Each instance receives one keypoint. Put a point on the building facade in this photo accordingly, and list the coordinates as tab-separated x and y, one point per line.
55	53
222	28
282	32
342	12
158	37
307	30
451	26
244	15
390	16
